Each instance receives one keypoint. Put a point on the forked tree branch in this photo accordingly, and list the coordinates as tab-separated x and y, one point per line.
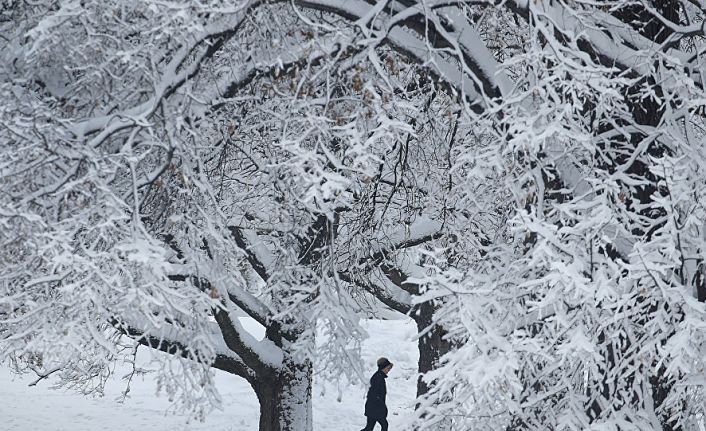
229	363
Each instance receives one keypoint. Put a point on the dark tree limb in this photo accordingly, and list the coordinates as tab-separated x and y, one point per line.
257	265
235	342
230	364
380	293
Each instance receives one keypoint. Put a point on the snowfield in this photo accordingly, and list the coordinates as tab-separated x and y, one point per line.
39	408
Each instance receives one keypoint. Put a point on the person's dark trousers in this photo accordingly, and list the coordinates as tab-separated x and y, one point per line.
371	424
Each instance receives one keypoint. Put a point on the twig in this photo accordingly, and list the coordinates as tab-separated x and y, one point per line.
42	376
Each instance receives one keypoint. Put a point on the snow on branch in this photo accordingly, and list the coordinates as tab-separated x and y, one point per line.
260	258
173	76
420	231
383	290
408	41
613	40
259	355
244	300
168	341
267	61
475	57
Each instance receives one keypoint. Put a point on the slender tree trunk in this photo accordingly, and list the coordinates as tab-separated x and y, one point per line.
285	398
432	346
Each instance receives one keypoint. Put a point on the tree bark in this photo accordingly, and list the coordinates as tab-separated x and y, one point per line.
285	398
432	346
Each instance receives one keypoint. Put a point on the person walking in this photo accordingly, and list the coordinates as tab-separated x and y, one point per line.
375	408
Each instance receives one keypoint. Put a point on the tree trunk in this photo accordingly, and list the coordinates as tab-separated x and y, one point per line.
432	347
285	398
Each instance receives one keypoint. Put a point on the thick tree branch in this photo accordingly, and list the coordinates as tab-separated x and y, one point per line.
257	257
381	255
228	363
262	356
317	237
398	301
399	278
243	299
260	259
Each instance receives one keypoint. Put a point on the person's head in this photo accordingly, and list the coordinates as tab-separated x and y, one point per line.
384	365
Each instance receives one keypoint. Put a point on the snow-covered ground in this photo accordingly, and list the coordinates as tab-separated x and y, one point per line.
38	408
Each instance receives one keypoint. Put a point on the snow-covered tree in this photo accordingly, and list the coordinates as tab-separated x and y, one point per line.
585	309
115	225
167	172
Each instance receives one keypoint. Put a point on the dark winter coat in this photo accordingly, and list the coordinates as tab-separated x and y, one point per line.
375	404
